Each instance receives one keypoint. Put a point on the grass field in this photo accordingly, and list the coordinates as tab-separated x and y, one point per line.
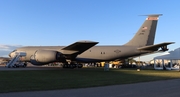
13	81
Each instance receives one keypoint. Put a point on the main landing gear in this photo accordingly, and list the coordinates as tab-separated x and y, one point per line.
72	65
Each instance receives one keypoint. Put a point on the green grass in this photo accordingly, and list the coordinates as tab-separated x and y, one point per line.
13	81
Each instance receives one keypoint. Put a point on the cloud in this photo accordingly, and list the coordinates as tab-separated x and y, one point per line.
6	49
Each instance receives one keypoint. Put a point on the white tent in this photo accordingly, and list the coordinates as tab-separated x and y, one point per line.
169	61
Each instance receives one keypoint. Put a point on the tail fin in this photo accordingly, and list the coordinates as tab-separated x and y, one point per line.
146	34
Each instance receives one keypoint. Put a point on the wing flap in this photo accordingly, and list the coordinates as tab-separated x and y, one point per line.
78	47
155	47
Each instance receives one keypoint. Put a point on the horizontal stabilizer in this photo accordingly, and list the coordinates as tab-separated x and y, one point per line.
155	47
152	15
78	47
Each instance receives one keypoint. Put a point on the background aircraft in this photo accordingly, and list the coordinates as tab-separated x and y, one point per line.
86	51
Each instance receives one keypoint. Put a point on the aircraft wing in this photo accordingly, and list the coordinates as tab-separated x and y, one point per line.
78	47
155	47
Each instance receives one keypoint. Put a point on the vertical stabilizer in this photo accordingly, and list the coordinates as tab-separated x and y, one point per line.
146	33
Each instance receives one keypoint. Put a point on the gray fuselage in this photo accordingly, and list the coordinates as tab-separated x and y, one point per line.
96	53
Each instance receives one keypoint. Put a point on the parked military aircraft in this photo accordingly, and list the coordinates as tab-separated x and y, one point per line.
86	51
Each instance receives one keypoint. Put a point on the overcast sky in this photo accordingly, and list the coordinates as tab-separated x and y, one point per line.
62	22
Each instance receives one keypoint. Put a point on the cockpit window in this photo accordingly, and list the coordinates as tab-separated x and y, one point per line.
14	50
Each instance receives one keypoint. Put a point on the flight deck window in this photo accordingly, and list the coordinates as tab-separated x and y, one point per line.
14	50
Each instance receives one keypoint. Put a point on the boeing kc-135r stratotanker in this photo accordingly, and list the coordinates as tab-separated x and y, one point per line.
86	51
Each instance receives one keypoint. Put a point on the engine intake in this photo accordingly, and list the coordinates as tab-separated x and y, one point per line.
42	57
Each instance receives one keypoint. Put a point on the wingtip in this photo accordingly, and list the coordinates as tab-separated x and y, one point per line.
170	42
87	41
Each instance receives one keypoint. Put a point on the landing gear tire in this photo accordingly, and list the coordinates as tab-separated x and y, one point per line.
119	66
71	65
74	65
25	65
15	66
65	65
80	65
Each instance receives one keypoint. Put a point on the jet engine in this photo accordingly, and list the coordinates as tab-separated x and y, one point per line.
42	57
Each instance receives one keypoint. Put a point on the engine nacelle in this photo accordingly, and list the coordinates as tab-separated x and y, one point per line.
42	57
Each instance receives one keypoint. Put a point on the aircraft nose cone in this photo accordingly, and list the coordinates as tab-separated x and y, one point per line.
10	54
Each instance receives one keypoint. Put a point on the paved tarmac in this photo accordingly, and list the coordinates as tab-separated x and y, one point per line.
166	88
